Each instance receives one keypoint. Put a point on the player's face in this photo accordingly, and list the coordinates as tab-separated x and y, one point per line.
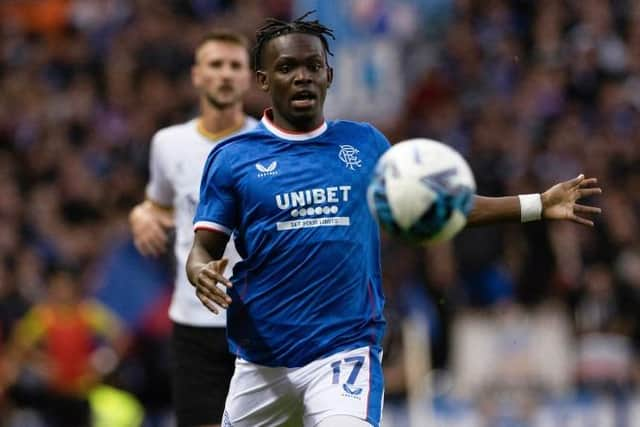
221	73
296	74
62	288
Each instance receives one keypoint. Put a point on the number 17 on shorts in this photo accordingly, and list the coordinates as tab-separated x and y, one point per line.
346	383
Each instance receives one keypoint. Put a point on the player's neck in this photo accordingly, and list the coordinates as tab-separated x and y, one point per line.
295	126
214	121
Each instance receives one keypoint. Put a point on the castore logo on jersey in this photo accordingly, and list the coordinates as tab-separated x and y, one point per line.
267	170
352	389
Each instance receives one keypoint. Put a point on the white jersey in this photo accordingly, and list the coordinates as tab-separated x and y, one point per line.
177	158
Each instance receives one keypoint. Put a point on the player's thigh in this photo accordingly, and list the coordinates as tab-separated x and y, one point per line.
261	396
349	383
201	369
343	421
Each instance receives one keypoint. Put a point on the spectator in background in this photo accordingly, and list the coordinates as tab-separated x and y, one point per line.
60	350
47	17
604	332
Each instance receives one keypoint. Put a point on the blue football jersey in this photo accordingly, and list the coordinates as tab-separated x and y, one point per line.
309	284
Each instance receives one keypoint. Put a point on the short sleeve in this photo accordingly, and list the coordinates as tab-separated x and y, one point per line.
217	207
381	141
159	188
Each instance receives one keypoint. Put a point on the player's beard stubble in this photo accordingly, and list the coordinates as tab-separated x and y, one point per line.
219	104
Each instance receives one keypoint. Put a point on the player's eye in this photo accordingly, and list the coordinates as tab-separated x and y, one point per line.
284	68
215	64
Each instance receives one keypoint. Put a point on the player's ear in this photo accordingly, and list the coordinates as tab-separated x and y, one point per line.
329	76
263	80
195	76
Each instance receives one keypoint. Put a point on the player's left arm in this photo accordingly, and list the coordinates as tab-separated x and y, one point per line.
557	203
114	343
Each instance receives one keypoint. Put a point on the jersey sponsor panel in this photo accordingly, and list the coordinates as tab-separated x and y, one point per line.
310	278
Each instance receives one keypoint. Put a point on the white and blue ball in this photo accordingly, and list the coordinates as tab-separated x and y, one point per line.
421	191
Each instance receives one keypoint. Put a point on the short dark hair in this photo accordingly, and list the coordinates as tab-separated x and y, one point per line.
225	36
273	28
56	267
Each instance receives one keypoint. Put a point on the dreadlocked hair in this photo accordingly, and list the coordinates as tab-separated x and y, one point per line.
275	28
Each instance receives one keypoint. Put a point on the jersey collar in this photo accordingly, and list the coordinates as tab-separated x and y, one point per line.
289	134
217	136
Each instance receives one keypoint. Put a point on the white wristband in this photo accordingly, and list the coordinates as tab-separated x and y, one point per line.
530	207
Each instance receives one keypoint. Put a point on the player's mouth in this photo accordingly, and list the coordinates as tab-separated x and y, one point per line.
303	99
226	89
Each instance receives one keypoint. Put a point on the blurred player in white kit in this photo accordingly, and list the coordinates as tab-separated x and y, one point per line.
201	364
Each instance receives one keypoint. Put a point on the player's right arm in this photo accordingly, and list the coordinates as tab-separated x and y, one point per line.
26	335
205	268
151	219
150	223
214	222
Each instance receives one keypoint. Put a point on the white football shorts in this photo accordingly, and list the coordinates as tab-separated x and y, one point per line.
347	383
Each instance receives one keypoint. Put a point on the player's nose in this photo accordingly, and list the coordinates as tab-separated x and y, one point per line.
302	76
227	71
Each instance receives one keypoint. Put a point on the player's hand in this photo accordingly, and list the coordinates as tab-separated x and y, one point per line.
559	201
149	225
207	282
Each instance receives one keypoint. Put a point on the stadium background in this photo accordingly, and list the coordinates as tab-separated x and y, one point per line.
534	325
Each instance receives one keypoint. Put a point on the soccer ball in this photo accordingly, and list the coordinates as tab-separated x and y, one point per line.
421	191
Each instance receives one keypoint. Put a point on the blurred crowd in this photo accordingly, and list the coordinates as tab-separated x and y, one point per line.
531	92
